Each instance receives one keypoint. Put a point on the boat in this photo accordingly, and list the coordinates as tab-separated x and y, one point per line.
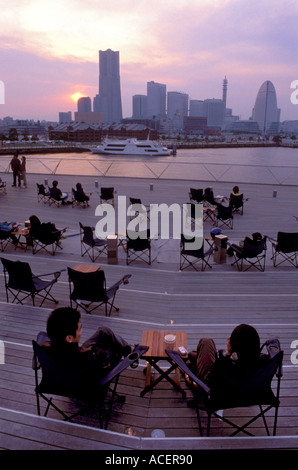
132	147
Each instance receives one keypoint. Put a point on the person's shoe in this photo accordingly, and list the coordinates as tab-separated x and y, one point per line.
13	185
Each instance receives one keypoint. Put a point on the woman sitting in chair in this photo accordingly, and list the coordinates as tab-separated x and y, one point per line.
255	240
80	194
43	231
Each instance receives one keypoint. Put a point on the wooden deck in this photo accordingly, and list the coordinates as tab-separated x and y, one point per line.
158	297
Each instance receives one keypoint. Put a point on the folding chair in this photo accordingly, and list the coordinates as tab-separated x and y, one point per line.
42	194
90	245
285	248
224	216
249	391
44	236
237	203
2	186
54	379
196	195
209	198
6	235
89	291
20	281
138	247
254	253
79	199
107	195
140	208
193	257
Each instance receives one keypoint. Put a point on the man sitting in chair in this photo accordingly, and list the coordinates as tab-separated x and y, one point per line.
242	358
255	239
101	352
57	194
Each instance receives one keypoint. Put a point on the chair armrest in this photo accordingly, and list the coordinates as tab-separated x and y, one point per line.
177	359
57	274
110	291
126	362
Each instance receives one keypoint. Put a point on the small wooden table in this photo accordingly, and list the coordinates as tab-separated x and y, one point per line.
18	233
86	268
156	352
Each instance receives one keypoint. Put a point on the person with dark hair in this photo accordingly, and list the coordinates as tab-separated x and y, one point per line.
255	240
23	175
241	358
81	196
57	194
101	352
15	165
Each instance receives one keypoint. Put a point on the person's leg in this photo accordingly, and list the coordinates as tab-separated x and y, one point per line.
104	338
206	356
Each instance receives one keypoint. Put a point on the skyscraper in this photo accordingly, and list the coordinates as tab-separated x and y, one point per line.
84	105
109	100
177	108
265	111
156	99
225	91
139	106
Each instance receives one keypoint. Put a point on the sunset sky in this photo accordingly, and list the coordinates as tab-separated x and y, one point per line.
49	51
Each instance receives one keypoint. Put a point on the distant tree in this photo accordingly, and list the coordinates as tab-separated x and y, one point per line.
34	138
276	139
13	134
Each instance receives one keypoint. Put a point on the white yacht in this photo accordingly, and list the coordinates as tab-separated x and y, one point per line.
132	147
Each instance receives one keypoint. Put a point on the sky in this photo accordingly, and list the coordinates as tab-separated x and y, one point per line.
49	51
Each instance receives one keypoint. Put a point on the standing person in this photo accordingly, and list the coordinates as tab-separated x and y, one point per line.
23	171
15	165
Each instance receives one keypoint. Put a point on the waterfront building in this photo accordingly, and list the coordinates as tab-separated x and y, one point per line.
139	106
196	108
266	111
96	103
84	105
177	109
109	101
156	100
214	110
89	117
65	117
195	125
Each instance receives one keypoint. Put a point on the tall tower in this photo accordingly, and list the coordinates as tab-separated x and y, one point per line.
109	99
265	111
156	99
225	91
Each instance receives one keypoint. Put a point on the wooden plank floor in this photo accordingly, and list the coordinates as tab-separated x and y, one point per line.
202	304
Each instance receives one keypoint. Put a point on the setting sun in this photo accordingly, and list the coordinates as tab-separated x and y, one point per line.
76	96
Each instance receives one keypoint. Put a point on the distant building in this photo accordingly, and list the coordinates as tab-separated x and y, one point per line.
109	101
65	117
89	117
84	105
96	104
139	107
195	125
265	111
156	96
244	127
196	108
289	127
214	110
177	108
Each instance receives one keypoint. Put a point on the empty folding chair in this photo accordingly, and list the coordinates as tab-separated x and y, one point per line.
138	246
285	249
191	255
107	195
91	245
224	216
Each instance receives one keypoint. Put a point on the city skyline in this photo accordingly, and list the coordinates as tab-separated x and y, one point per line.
49	51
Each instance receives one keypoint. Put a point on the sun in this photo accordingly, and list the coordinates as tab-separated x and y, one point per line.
76	96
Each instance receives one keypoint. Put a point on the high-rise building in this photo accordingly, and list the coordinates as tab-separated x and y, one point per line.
64	117
156	100
266	111
109	101
177	108
139	106
84	105
196	108
225	91
214	110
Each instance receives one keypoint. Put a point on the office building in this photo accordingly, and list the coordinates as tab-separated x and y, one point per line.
84	105
265	111
196	108
64	117
139	106
109	101
177	108
156	100
214	110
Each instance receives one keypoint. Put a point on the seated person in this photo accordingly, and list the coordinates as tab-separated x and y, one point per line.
255	239
241	359
235	191
57	194
43	231
101	352
80	194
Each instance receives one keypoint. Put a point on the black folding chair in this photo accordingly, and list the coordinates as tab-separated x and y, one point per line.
254	253
107	195
193	257
91	245
89	291
250	391
54	379
196	195
20	281
285	249
2	186
44	236
139	207
79	199
42	194
237	203
224	216
6	235
138	246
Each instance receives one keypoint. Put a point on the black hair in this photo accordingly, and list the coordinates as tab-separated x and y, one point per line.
61	323
245	342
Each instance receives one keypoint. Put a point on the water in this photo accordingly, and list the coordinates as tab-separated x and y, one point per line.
275	165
